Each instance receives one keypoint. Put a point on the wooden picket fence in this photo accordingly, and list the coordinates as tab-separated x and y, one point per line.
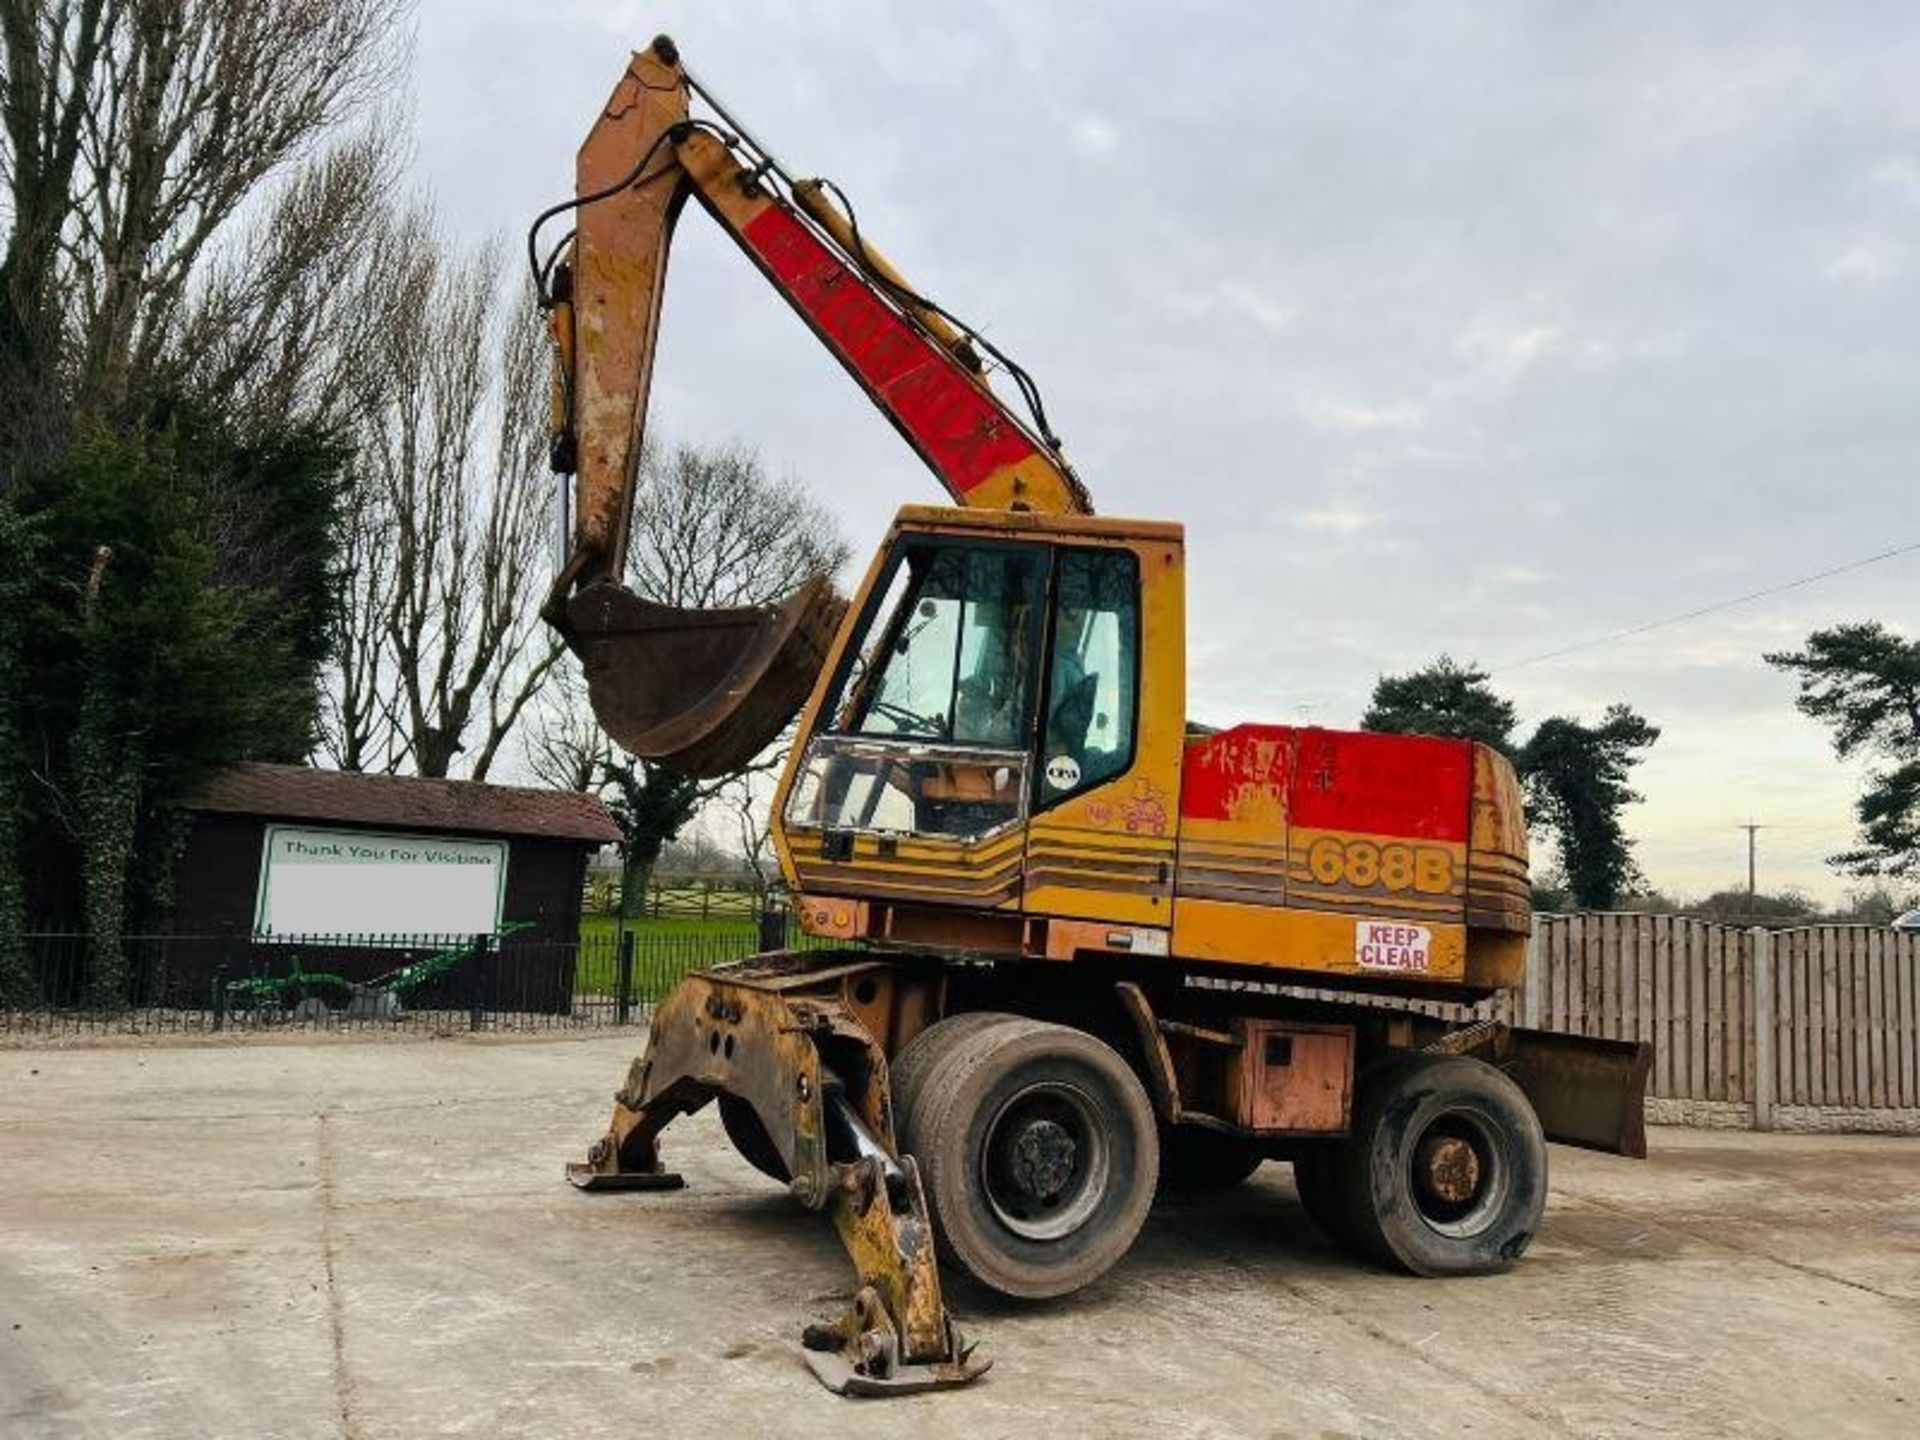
1823	1017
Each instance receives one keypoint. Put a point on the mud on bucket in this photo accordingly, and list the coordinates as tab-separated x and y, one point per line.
701	692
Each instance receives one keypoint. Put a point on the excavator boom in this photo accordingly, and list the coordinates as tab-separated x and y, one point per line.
702	692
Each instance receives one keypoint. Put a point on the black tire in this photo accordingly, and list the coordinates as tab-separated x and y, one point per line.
919	1056
1318	1175
1039	1154
1446	1169
1194	1161
750	1138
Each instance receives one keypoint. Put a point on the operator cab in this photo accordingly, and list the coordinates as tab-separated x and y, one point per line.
985	680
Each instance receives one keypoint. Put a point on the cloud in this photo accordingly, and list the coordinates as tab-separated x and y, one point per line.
1518	290
1521	575
1338	520
1899	177
1866	263
1228	300
1505	354
1094	135
1333	414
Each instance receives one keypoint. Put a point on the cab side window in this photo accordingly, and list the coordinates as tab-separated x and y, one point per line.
1088	721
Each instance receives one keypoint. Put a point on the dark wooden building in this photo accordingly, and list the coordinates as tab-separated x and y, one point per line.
544	838
336	861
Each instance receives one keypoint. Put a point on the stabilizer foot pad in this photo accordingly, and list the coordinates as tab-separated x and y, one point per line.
833	1370
585	1177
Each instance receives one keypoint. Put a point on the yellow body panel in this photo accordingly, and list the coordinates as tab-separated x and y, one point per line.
1079	858
1280	938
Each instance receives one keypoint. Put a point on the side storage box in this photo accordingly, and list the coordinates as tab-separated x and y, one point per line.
1292	1079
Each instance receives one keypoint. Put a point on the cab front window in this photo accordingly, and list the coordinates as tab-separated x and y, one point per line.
933	717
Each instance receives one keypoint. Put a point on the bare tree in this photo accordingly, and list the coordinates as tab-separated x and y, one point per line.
438	648
280	322
136	133
199	102
750	803
358	729
565	746
711	527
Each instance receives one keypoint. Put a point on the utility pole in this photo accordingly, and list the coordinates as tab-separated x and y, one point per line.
1753	837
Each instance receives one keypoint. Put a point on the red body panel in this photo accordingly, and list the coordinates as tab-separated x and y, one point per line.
1416	787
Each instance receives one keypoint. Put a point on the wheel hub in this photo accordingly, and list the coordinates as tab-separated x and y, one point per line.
1447	1168
1042	1161
1460	1172
1045	1162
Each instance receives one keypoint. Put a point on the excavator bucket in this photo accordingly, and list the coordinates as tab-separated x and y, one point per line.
701	692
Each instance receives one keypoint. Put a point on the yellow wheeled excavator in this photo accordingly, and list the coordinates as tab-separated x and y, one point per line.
1071	947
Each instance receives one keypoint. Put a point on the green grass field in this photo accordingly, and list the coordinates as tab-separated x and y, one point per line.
605	929
663	951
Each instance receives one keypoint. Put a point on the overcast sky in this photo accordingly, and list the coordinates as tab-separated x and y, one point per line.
1476	328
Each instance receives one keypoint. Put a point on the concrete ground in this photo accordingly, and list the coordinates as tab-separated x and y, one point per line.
345	1238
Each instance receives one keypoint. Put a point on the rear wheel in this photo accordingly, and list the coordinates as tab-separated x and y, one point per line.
1318	1176
1195	1161
750	1138
1039	1153
1446	1170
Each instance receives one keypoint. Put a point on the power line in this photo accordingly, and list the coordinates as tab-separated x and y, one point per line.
1712	609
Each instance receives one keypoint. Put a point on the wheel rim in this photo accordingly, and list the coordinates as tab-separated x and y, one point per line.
1460	1173
1045	1161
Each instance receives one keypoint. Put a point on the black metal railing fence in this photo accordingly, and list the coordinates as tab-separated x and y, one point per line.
54	981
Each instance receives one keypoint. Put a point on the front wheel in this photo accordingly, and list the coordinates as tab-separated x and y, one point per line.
1446	1169
1038	1150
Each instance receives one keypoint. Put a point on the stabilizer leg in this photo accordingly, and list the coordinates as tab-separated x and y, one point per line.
764	1035
896	1338
627	1157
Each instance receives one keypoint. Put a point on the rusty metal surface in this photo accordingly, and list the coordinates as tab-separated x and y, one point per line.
896	1336
1292	1079
699	691
583	1175
1447	1168
1163	1082
1488	1035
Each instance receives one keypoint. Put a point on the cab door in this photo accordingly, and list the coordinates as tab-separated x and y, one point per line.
1101	841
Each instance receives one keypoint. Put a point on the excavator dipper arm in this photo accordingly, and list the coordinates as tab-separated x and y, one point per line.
704	691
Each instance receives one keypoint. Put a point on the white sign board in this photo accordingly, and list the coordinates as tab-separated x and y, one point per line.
1379	945
334	882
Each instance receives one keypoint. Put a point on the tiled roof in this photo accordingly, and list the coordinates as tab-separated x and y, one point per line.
399	802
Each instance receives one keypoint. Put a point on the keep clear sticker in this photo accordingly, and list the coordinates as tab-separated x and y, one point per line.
1062	772
1388	945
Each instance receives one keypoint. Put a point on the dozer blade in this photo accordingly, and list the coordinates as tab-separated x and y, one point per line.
700	691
